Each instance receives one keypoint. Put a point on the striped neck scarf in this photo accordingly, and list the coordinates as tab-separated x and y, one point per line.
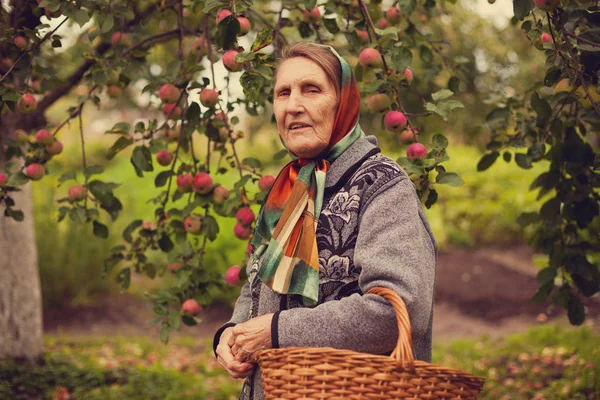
287	222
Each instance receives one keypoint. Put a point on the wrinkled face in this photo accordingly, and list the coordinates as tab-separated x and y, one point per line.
305	103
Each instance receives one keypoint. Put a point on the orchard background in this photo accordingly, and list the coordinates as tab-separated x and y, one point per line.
137	143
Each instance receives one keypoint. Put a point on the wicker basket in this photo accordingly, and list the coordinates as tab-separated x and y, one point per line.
305	373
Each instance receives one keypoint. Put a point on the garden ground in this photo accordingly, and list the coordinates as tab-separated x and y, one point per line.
478	292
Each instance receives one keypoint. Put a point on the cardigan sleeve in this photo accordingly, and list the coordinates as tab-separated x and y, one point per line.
240	314
394	249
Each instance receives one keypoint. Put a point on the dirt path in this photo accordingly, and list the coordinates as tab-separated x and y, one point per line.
484	291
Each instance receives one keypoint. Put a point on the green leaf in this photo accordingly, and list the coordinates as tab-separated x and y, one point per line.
121	128
174	319
165	243
441	95
331	25
542	109
124	277
546	275
449	178
121	143
100	230
521	8
210	227
439	141
507	156
487	161
189	321
425	54
401	58
431	198
252	162
528	218
81	17
105	22
550	209
537	151
265	72
141	158
282	153
263	39
17	179
575	310
17	215
130	228
228	30
165	331
407	6
162	178
523	160
543	293
93	170
433	108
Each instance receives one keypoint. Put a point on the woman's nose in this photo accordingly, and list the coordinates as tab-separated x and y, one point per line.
295	104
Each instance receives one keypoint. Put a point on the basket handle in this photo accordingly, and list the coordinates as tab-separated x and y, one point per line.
403	352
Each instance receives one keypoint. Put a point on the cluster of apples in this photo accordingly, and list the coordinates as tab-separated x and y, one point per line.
395	121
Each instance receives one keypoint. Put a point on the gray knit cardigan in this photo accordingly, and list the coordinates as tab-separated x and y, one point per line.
372	232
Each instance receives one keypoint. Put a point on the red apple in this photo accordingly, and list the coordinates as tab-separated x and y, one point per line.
312	16
169	93
193	224
363	36
241	232
209	98
35	171
3	179
221	15
370	58
393	15
20	42
76	193
164	158
395	121
245	25
191	307
378	102
245	216
184	182
119	39
171	111
44	136
172	134
114	91
265	182
20	136
408	75
232	275
416	150
220	116
203	183
54	148
27	103
407	136
220	194
382	23
546	38
230	63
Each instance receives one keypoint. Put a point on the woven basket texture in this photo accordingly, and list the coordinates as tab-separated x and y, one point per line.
314	373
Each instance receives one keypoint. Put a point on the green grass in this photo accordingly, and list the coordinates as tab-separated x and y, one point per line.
546	362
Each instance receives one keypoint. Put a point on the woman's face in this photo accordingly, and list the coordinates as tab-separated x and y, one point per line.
305	103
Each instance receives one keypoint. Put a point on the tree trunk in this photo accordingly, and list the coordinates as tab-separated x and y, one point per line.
20	293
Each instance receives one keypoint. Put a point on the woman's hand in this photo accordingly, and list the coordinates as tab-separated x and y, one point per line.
226	358
250	337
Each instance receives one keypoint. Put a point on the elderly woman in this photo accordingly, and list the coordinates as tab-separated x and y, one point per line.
340	219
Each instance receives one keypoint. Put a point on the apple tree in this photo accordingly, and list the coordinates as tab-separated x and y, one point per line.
555	120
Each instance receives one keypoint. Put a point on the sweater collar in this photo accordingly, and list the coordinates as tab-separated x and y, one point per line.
349	160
